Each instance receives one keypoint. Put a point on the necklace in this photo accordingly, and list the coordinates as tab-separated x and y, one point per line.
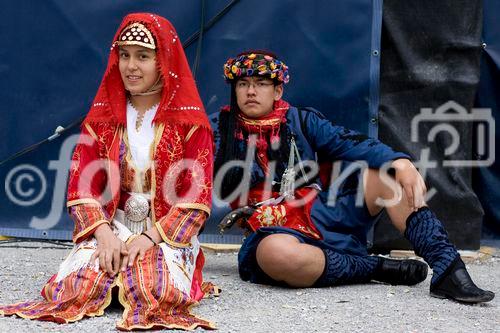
140	115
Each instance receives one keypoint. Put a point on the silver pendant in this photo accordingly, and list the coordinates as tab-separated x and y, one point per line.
136	210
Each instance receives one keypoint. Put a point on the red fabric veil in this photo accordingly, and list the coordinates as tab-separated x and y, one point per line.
180	101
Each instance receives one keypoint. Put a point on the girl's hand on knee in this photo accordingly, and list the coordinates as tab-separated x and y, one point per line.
110	250
137	249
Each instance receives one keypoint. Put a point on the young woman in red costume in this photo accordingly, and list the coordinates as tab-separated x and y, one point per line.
139	191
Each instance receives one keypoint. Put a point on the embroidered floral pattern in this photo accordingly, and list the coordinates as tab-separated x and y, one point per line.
269	216
285	215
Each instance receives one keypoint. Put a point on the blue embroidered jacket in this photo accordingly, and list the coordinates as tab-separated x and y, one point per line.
344	226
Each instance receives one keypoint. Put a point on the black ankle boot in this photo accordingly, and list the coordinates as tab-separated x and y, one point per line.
400	272
456	284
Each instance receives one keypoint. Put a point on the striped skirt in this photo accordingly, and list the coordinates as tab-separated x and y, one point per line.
156	292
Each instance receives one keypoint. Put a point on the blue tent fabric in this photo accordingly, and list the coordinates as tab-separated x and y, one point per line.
54	54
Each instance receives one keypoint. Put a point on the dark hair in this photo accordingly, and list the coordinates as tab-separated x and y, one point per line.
228	149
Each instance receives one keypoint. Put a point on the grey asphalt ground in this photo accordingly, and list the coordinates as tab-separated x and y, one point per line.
245	307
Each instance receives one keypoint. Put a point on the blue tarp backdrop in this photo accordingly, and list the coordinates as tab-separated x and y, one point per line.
54	53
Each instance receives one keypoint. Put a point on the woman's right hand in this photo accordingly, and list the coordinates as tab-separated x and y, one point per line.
110	249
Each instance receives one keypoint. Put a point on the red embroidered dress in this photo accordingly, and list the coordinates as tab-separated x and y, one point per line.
158	291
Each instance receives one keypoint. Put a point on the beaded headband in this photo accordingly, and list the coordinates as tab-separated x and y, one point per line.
136	34
252	64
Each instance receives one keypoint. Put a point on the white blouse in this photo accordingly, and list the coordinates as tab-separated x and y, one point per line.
140	141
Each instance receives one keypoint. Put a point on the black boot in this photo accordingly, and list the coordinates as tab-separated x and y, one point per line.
456	284
450	278
400	272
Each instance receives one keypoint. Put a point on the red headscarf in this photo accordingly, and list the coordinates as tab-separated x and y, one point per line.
180	101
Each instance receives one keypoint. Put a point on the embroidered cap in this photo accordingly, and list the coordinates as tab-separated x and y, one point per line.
251	64
136	34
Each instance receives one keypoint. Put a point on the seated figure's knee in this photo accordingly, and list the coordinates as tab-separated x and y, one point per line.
278	256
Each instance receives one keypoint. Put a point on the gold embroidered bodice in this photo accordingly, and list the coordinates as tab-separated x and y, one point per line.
132	178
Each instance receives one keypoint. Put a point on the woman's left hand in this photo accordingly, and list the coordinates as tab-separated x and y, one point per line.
136	250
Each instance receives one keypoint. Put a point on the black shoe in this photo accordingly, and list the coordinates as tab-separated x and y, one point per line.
456	284
400	272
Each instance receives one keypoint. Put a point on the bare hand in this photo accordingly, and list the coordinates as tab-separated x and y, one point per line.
136	249
110	249
412	183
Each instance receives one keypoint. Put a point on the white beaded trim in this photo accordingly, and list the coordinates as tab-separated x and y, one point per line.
156	20
174	36
197	108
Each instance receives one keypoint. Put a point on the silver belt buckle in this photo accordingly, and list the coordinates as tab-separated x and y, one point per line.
136	209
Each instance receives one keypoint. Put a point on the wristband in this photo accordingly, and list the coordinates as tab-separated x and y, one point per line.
149	237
